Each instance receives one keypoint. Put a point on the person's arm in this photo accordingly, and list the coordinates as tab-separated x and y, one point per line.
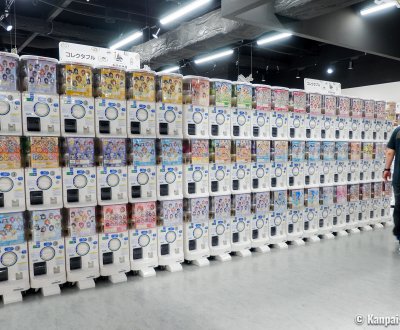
387	174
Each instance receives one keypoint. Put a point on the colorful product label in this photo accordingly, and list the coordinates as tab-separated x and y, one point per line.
343	106
80	151
369	107
200	92
297	199
143	86
171	212
313	150
354	192
171	89
342	151
313	197
357	107
262	149
244	95
82	221
326	195
222	151
377	188
46	225
222	92
262	203
8	73
242	204
297	149
280	99
299	100
78	80
243	151
380	109
111	83
10	152
222	207
199	209
279	150
341	194
355	150
367	150
328	150
144	215
171	151
44	152
280	201
41	76
314	103
263	97
12	230
114	152
114	218
199	151
143	152
330	105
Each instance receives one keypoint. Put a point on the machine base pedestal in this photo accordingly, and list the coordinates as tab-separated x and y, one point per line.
328	236
366	228
281	245
243	253
51	290
147	272
201	262
86	284
117	278
388	224
173	268
223	257
354	231
12	297
262	249
298	242
378	226
313	239
342	233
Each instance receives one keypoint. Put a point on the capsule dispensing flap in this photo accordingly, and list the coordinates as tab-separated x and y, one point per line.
113	152
170	151
12	229
46	225
222	151
221	207
342	151
170	87
261	151
263	97
341	194
262	203
241	204
143	152
297	150
142	86
82	221
198	209
110	83
329	105
242	149
328	150
77	80
114	218
10	152
39	74
8	72
44	152
298	101
80	152
144	215
171	212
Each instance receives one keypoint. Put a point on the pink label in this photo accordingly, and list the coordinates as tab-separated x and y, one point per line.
314	104
341	194
144	215
263	97
344	106
330	105
280	99
82	221
115	218
357	107
299	101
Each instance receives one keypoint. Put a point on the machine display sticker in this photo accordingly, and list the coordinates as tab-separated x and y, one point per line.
143	152
354	192
380	109
144	215
329	104
222	149
199	209
171	151
41	76
262	203
368	150
327	195
242	204
262	151
12	229
81	151
222	207
355	150
222	90
369	108
366	191
8	72
171	212
297	151
341	194
377	187
357	106
344	106
280	99
46	225
78	80
280	151
299	99
280	201
243	151
314	103
114	152
328	150
44	152
10	152
142	86
342	151
313	197
200	92
200	152
115	218
111	83
171	89
263	98
297	199
244	94
82	221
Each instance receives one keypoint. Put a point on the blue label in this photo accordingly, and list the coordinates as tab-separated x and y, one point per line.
47	243
113	171
80	172
44	172
83	239
7	249
5	174
58	177
114	236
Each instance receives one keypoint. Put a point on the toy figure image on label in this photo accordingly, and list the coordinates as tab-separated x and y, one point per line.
46	251
327	163
295	166
295	214
170	234
241	167
114	242
353	206
169	169
260	220
219	112
367	161
241	224
279	160
278	217
196	100
279	113
220	167
368	120
314	116
357	110
342	123
169	105
339	208
142	170
82	246
13	257
353	166
220	227
143	238
10	98
342	161
297	114
262	103
326	195
329	109
260	155
311	213
365	205
313	161
242	99
141	104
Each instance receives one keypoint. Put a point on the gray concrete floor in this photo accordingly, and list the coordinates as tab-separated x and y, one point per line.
320	286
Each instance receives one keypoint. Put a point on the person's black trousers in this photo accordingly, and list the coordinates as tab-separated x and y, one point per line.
396	212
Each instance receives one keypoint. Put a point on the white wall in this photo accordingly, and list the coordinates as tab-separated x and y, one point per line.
385	92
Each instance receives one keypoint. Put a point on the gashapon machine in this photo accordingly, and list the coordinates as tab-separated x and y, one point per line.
10	98
241	167
326	198
313	161
368	120
114	242
342	160
295	216
356	111
375	210
219	237
378	130
367	165
390	116
279	160
76	100
327	164
387	195
365	207
353	207
169	169
141	103
242	101
279	113
196	100
353	166
295	168
12	187
220	110
261	110
311	214
82	246
297	114
220	167
342	124
112	176
379	160
40	101
314	116
261	205
241	224
43	179
261	159
169	106
195	169
142	170
46	251
79	173
329	112
278	219
14	273
143	238
170	234
195	231
339	210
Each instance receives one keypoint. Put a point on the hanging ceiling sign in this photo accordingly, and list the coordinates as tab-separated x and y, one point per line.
97	56
322	87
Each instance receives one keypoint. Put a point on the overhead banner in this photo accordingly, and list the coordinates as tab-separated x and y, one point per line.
98	56
322	87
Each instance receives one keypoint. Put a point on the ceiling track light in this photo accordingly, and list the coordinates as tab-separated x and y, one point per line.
298	74
378	8
213	56
171	69
127	40
276	37
155	35
6	26
183	11
351	65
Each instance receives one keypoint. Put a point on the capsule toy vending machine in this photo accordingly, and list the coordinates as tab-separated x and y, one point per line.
261	110
326	195
329	112
220	111
261	205
379	122
76	100
40	101
261	162
169	106
279	113
141	104
10	97
390	120
81	246
313	162
195	169
114	242
241	225
353	166
353	207
297	114
341	164
196	230
314	116
367	161
278	219
143	238
241	167
379	161
311	214
365	207
14	272
170	234
295	217
295	168
219	237
368	121
46	251
339	210
79	173
387	196
220	167
279	162
12	185
242	101
327	164
375	210
342	124
356	112
43	178
142	171
112	176
196	100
